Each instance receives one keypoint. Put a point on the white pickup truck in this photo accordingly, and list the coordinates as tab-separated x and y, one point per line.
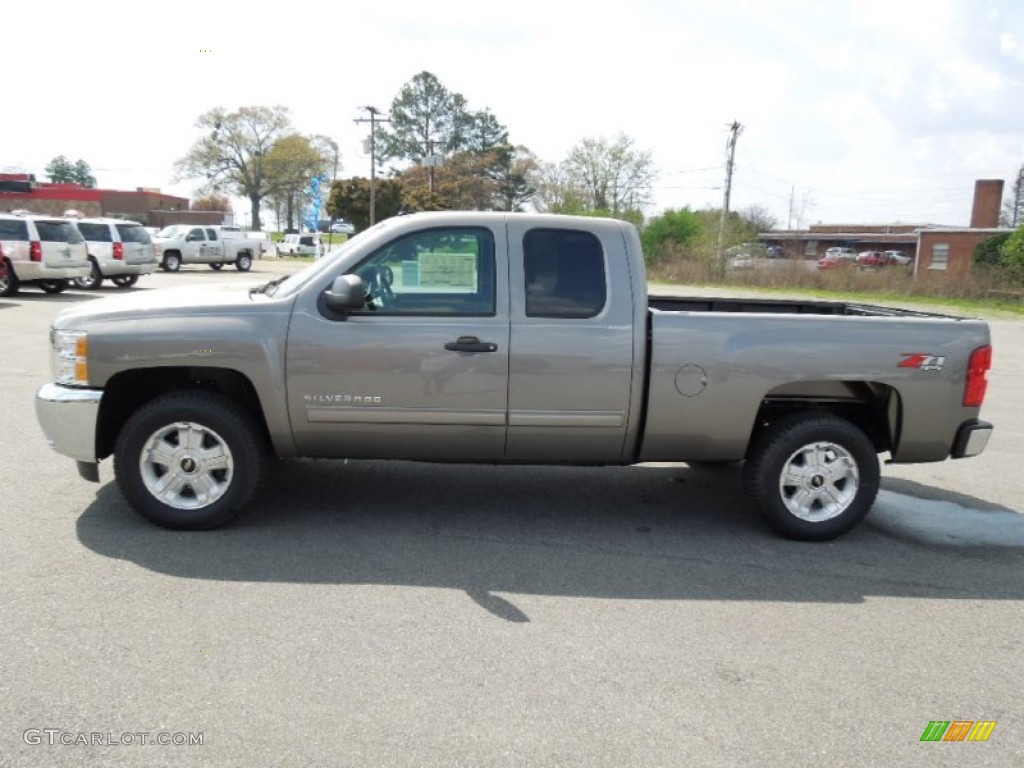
214	245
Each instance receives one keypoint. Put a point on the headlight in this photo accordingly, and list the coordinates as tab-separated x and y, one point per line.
70	350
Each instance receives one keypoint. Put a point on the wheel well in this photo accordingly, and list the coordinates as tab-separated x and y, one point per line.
128	391
873	407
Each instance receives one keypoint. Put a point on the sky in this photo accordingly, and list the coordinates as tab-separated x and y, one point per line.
869	111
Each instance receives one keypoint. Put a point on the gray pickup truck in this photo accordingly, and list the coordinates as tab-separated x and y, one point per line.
515	338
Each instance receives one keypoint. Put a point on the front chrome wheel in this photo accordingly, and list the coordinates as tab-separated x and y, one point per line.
186	465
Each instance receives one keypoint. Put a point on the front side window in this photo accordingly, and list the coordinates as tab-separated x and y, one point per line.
565	274
194	235
445	271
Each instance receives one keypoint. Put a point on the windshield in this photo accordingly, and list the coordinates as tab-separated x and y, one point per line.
172	231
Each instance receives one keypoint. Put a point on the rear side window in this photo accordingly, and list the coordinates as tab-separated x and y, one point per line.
58	232
565	274
133	234
211	234
97	233
13	229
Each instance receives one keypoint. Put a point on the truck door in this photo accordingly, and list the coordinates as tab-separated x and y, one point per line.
422	371
214	247
195	246
573	346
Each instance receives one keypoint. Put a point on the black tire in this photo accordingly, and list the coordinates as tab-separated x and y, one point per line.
217	267
94	279
125	281
243	263
9	285
834	472
54	286
227	435
171	262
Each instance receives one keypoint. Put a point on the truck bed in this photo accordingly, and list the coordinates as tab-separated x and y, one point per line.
780	306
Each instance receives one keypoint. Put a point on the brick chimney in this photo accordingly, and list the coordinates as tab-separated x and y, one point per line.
988	198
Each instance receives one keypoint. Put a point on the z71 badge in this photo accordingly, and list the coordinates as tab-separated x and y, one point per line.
922	361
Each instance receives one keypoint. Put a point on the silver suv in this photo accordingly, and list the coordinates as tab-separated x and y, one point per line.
118	250
44	250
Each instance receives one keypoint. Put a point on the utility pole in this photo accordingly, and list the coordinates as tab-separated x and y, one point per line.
373	120
792	192
730	152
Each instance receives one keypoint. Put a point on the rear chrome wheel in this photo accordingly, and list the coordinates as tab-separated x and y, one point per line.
813	476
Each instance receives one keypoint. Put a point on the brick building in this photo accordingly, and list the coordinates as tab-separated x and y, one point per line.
21	191
934	248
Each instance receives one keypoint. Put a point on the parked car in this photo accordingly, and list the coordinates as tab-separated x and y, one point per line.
871	259
301	245
47	251
837	257
899	258
214	245
119	251
343	227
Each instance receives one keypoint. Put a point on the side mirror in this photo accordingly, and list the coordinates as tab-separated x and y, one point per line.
346	293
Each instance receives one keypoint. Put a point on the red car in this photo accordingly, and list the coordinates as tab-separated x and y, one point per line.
872	259
3	270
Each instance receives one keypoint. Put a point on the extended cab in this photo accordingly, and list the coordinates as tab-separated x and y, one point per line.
491	337
214	245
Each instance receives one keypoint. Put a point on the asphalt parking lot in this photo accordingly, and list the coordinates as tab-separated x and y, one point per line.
376	614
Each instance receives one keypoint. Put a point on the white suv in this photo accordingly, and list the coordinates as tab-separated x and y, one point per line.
301	245
118	250
45	250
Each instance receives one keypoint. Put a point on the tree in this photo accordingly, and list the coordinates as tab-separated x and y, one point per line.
480	168
290	166
759	219
666	234
63	171
1012	214
234	150
1013	250
350	200
611	176
426	118
212	201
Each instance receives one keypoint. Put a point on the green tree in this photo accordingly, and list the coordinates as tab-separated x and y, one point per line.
290	166
426	119
990	252
63	171
234	149
669	233
453	157
612	176
350	200
1013	250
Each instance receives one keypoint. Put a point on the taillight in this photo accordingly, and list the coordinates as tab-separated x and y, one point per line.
35	251
118	250
977	367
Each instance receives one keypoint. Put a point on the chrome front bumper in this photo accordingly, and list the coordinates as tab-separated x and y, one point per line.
68	417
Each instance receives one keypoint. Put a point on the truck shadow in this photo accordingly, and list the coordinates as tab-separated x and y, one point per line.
638	533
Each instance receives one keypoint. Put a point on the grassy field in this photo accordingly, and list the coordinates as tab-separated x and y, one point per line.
984	292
